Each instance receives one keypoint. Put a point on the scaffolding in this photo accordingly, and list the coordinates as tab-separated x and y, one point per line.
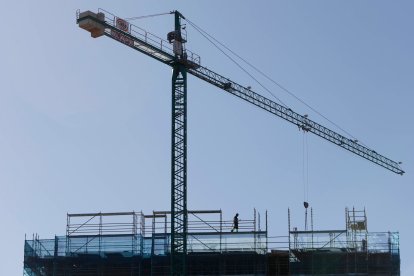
350	251
134	243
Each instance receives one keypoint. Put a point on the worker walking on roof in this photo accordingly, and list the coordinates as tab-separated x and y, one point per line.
235	223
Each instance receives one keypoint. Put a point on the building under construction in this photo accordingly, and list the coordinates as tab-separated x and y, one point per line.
132	243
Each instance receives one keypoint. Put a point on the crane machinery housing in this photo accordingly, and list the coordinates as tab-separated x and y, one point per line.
173	53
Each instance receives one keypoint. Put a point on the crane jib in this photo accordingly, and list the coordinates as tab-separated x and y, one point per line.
301	121
160	49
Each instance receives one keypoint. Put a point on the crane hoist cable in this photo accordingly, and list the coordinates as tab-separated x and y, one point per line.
305	175
305	167
204	33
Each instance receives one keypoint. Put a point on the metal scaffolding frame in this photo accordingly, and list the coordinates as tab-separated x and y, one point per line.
349	251
142	242
134	243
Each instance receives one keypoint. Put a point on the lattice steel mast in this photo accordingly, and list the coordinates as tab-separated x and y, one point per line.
182	62
178	153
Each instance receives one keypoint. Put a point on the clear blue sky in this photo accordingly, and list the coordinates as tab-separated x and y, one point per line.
85	123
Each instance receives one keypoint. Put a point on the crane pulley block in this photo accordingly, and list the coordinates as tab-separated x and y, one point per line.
227	86
90	21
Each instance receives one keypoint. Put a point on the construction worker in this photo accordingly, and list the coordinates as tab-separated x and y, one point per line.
235	223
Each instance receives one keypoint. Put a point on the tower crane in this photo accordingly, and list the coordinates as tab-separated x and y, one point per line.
173	53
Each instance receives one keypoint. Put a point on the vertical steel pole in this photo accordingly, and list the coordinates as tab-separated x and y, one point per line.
221	229
267	241
55	256
153	237
179	161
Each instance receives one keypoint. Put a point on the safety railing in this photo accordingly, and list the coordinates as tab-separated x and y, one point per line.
375	242
133	245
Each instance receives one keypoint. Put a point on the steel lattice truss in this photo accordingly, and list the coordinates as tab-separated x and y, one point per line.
289	115
179	171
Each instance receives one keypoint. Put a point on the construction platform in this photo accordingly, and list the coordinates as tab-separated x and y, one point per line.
132	243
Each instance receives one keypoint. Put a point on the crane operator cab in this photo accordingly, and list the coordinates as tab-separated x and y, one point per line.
178	42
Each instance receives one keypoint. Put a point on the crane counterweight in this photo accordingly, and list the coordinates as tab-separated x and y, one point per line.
86	21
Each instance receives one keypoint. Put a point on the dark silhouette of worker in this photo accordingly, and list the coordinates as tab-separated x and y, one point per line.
364	245
235	223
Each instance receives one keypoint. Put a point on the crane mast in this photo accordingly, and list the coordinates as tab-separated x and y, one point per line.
182	62
178	153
